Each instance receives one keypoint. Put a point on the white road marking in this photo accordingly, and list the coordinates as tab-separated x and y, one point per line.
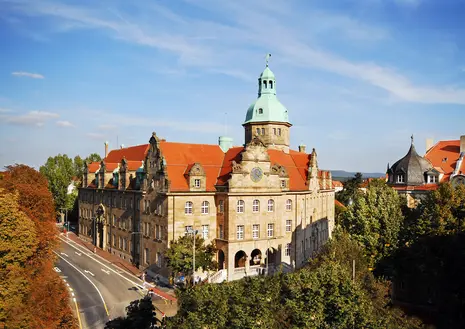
78	253
107	272
64	254
112	270
100	294
57	269
89	272
72	294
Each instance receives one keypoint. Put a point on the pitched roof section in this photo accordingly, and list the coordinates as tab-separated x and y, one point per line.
179	156
444	155
93	167
132	153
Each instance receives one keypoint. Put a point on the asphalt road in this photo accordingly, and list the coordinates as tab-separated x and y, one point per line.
102	290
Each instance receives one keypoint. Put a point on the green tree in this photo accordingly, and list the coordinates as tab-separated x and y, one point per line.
93	157
140	314
179	256
59	171
351	189
374	220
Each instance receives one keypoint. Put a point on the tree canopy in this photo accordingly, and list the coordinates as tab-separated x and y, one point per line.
140	314
179	256
351	189
29	236
374	220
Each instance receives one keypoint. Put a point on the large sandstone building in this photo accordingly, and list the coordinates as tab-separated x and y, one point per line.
263	204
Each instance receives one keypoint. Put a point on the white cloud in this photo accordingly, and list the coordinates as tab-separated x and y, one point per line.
2	110
28	74
107	127
210	45
32	118
64	124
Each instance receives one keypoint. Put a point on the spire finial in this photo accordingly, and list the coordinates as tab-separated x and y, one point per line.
267	58
411	137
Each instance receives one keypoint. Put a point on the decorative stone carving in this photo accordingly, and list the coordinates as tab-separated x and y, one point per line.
197	170
277	169
237	168
255	151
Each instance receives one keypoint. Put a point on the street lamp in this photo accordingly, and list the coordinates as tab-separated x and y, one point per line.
194	233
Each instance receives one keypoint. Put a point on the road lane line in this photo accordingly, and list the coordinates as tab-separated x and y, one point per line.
78	253
114	271
106	271
103	301
89	272
77	312
64	254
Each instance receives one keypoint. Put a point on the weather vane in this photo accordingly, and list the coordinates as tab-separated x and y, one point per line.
267	58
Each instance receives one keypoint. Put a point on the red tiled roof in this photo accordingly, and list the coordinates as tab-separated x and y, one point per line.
338	203
93	167
425	187
132	153
444	155
179	156
109	167
337	183
134	165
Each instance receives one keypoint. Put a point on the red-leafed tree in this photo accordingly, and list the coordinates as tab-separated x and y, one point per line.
45	300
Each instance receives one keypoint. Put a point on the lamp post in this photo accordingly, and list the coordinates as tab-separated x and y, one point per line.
194	233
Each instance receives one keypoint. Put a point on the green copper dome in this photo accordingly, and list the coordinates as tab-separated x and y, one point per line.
267	107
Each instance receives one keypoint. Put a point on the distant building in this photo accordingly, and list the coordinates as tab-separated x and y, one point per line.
263	204
338	186
413	176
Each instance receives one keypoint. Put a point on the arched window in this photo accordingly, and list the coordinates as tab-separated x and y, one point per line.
270	205
271	84
260	111
188	208
204	208
264	83
256	206
288	204
240	206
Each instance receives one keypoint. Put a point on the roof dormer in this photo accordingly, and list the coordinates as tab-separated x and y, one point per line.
197	178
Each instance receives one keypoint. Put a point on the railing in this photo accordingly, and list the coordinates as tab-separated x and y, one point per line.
218	277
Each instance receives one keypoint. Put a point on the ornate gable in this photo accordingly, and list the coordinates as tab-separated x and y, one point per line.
255	151
197	177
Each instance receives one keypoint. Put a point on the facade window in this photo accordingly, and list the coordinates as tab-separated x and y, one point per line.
120	244
288	204
255	231
258	131
221	234
287	249
125	244
283	183
256	206
260	111
221	208
240	232
157	232
205	232
114	240
263	131
159	259
188	229
274	131
114	220
400	178
270	205
288	225
188	208
240	206
432	179
109	238
204	208
197	183
270	230
146	256
279	131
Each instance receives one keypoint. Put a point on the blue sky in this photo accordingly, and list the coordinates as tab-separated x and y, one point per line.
358	77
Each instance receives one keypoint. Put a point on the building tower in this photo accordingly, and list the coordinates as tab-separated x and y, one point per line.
267	117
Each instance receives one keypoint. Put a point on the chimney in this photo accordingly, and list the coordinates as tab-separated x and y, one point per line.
462	143
429	143
225	143
302	148
122	146
106	149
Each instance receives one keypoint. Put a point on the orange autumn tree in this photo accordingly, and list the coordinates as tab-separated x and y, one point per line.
45	303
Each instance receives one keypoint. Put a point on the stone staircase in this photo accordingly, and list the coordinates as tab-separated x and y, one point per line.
218	277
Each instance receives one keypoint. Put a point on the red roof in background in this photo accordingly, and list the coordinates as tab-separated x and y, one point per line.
337	183
296	164
93	167
232	154
445	155
134	165
179	156
132	153
338	203
111	166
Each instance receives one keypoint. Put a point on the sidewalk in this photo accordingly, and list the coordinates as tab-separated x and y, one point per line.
167	294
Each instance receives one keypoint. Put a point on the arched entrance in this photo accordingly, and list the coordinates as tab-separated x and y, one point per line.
220	259
271	256
240	258
255	257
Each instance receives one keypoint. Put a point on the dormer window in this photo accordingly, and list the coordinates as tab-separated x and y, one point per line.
432	179
260	111
197	183
400	178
